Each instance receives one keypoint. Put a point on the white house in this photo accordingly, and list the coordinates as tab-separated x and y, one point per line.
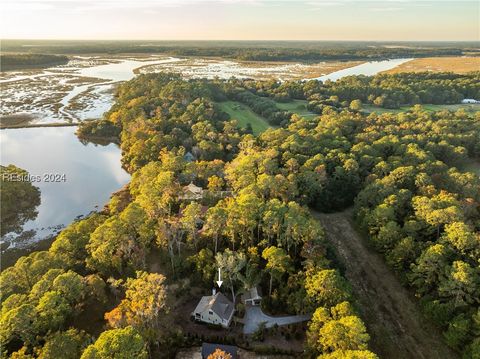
192	192
214	309
252	297
470	100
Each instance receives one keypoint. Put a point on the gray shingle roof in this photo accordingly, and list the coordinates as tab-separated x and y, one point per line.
218	303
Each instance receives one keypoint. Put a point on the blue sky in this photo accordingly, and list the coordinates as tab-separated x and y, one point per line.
241	19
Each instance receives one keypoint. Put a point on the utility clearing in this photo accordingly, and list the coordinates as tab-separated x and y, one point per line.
396	325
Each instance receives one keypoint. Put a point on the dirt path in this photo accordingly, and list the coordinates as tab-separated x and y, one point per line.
394	321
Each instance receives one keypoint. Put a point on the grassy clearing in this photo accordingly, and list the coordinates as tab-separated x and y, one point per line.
244	115
430	108
297	106
458	65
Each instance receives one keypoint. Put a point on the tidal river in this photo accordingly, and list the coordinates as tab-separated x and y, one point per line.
88	174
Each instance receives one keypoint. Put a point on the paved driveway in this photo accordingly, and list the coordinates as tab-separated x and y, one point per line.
254	317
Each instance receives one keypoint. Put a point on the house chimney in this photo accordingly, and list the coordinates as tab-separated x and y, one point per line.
214	291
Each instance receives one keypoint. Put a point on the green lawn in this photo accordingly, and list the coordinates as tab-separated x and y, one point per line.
244	115
431	108
297	106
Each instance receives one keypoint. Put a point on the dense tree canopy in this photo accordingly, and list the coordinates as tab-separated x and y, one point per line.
250	218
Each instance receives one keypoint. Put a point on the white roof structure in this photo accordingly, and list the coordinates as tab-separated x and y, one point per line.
252	296
192	192
470	100
193	188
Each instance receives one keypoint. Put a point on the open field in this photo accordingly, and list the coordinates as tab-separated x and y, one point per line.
428	107
439	64
244	115
393	319
297	106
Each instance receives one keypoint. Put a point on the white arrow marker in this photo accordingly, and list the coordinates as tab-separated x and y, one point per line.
219	281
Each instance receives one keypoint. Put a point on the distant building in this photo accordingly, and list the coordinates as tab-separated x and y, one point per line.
189	157
252	297
192	192
470	100
208	349
214	309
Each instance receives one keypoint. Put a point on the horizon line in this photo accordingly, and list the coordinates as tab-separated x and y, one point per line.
228	40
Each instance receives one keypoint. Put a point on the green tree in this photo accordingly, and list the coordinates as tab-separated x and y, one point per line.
278	263
18	323
66	345
327	287
349	354
216	222
461	284
458	332
438	210
190	217
52	310
70	285
356	105
463	239
144	303
347	333
124	343
429	268
204	263
231	265
70	244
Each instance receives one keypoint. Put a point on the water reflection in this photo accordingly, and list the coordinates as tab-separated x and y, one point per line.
92	173
368	69
19	201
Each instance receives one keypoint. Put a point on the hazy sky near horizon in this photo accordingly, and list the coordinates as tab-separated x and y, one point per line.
241	19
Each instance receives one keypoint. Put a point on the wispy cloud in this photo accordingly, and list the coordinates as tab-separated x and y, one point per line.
386	9
118	4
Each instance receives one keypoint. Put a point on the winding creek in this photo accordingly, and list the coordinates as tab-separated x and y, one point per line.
92	172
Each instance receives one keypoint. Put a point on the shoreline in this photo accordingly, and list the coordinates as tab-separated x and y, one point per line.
34	125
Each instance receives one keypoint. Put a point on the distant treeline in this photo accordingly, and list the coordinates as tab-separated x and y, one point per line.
290	54
258	51
27	60
382	90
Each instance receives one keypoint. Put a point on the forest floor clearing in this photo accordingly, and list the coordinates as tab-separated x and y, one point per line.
458	64
396	325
